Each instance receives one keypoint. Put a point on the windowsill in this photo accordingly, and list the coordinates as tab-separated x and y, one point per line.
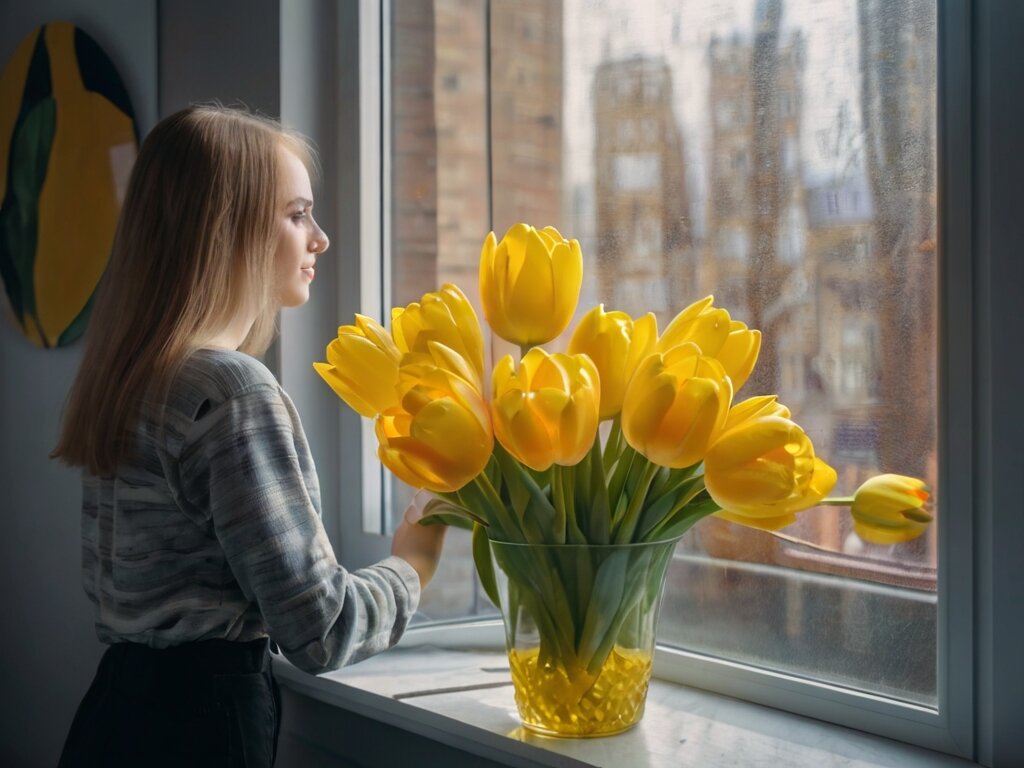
464	700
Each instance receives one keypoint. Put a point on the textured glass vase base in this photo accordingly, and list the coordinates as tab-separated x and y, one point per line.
554	702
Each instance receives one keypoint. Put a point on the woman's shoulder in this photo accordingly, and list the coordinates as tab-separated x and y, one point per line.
227	370
209	377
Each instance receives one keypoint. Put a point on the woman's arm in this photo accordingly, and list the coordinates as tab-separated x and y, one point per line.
247	463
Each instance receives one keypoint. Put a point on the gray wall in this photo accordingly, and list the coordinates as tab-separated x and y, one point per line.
169	54
50	649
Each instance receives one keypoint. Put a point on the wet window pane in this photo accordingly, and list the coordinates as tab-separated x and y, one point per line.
778	154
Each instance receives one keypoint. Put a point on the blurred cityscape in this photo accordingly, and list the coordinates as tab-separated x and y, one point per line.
778	154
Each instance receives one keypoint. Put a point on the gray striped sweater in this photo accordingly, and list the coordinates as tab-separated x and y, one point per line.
214	530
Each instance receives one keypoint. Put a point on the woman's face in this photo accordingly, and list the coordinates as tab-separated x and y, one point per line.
299	240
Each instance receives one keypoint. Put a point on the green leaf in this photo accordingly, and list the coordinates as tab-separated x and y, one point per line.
438	506
558	500
538	516
684	518
626	528
600	519
605	598
661	479
656	513
632	594
446	518
540	592
618	481
484	563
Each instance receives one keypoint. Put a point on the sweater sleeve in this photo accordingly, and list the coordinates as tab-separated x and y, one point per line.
246	462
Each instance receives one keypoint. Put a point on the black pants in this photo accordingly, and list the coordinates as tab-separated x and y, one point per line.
211	703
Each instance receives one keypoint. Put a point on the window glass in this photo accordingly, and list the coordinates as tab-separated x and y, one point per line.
778	154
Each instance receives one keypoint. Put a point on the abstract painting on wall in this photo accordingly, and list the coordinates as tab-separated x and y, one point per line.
68	139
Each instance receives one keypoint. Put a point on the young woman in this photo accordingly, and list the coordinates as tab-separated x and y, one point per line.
201	536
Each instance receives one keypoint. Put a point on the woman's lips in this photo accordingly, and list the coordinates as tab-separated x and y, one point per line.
309	272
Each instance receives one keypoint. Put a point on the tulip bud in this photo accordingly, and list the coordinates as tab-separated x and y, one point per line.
530	283
675	405
546	412
362	367
889	509
616	344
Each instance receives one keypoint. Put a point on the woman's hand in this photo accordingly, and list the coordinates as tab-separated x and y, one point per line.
419	545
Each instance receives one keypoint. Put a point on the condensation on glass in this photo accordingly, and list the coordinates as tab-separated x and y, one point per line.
778	154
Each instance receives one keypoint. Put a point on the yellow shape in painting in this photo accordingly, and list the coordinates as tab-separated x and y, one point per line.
78	205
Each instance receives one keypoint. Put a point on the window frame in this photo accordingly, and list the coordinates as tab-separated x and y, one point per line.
971	699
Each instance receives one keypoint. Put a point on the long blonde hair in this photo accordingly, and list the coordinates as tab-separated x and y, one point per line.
194	247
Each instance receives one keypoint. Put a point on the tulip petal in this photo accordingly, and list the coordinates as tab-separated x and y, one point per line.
762	523
739	354
531	298
688	424
567	264
341	388
754	438
752	408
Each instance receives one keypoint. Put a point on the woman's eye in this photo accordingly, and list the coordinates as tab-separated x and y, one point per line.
298	216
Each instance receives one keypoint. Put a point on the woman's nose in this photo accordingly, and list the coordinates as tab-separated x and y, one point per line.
320	241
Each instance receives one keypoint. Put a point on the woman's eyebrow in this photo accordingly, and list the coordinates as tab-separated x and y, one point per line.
303	201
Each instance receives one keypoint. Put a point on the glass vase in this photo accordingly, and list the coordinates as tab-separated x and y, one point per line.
579	628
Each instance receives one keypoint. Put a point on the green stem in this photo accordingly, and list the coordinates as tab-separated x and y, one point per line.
836	501
595	514
558	499
483	482
613	448
617	484
573	532
625	530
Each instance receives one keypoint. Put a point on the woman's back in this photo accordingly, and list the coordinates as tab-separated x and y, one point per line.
213	530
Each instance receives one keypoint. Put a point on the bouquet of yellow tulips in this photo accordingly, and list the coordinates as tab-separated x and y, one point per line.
522	458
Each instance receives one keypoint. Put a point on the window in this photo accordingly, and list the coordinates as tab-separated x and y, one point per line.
484	154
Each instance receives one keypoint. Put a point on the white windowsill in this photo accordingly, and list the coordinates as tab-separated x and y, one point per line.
464	699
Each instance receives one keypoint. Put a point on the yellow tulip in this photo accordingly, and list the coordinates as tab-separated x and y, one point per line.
729	341
889	509
439	435
362	367
675	405
546	412
762	469
530	283
762	405
700	323
444	316
739	353
616	343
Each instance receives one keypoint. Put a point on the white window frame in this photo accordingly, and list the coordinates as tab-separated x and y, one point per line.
979	611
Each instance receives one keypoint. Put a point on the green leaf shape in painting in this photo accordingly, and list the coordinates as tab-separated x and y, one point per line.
78	325
19	216
99	75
